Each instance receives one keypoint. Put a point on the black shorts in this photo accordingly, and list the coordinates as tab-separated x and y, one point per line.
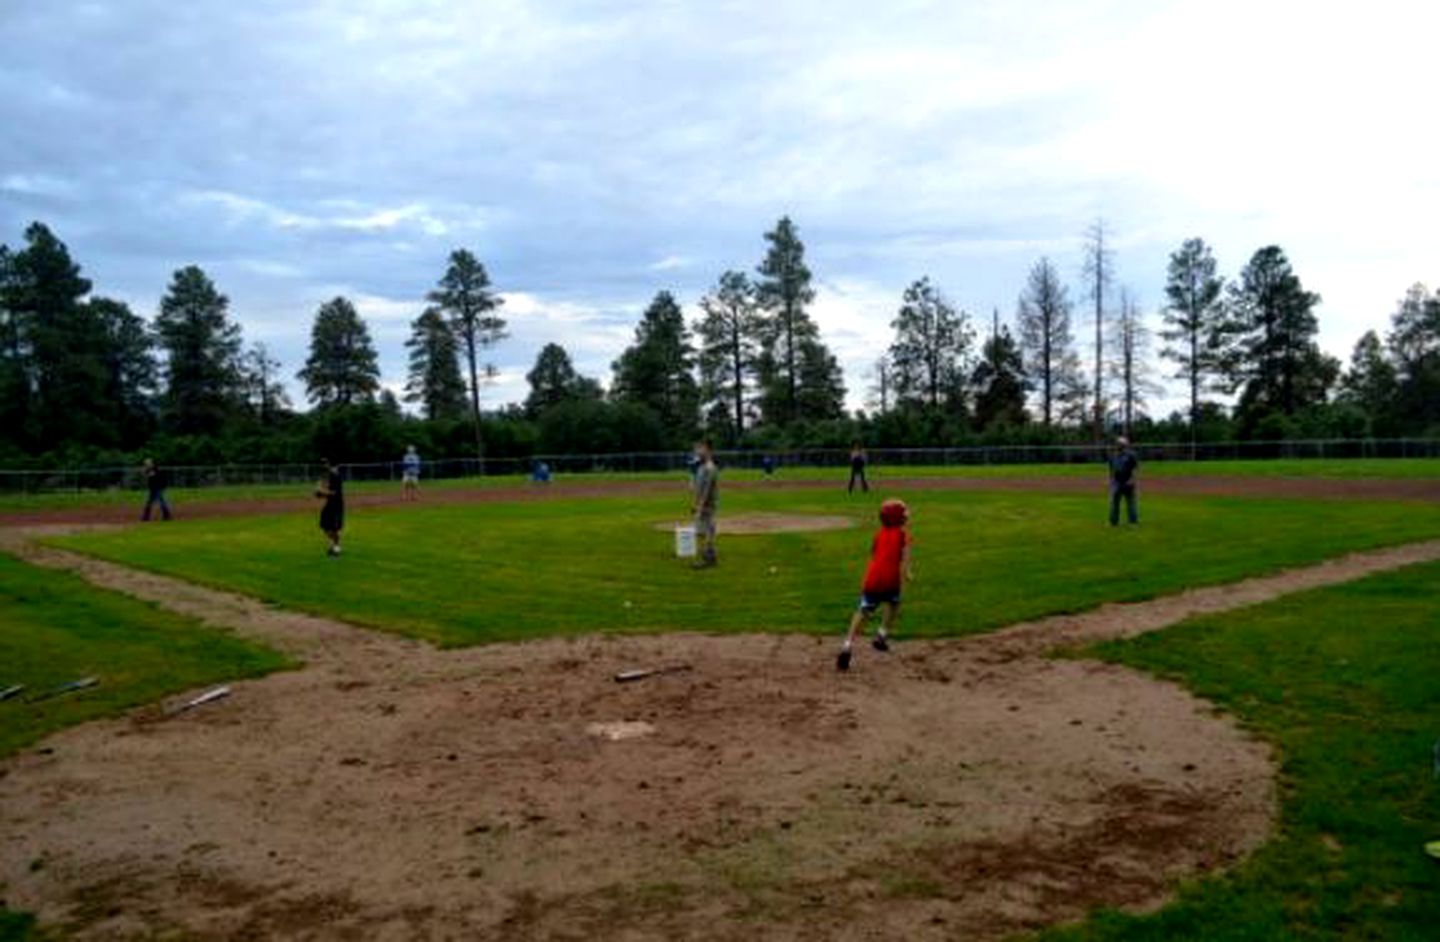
332	516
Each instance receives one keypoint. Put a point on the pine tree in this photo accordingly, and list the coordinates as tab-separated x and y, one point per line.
342	368
1099	275
263	391
465	298
1414	347
822	383
657	370
1044	319
1371	383
1273	322
202	348
434	378
131	373
553	380
1195	318
999	380
931	346
14	354
1130	365
61	345
783	291
729	350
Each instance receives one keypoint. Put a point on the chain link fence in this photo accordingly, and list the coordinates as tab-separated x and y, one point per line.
80	480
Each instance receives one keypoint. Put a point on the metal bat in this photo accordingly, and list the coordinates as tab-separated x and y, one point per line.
9	692
625	677
83	683
209	696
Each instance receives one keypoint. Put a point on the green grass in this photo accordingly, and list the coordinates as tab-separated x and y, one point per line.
1379	468
1345	681
55	628
465	574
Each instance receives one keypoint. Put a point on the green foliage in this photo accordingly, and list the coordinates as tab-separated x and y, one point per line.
593	426
465	298
798	377
202	350
1272	328
1195	321
999	382
657	371
342	368
931	348
1414	345
58	628
553	380
729	353
435	381
1342	681
983	559
1043	314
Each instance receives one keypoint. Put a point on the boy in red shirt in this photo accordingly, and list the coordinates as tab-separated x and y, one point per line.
886	574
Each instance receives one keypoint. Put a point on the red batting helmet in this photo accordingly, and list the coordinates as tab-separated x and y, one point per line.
894	513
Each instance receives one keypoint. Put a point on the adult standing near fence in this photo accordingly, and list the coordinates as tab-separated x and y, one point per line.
707	486
857	469
1123	465
332	513
155	484
410	473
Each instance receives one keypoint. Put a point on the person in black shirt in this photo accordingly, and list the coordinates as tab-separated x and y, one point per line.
332	514
1123	465
155	483
857	469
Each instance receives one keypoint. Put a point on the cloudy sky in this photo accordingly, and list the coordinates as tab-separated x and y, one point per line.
592	153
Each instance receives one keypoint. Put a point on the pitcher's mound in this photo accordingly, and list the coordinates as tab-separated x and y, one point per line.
746	524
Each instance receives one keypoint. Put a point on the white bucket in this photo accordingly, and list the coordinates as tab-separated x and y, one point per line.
684	541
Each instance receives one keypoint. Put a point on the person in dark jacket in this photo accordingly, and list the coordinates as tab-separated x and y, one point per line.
857	469
155	484
1123	465
332	513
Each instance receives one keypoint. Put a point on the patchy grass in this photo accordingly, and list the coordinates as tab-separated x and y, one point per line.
1344	682
58	628
475	573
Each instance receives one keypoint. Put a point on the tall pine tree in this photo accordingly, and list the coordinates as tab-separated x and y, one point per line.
783	290
464	296
1195	321
342	368
729	350
657	370
999	380
202	351
434	380
553	381
1275	358
1044	318
930	350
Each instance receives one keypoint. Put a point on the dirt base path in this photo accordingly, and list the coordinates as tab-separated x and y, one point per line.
394	791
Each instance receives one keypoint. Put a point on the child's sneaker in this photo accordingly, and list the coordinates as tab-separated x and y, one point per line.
842	663
879	643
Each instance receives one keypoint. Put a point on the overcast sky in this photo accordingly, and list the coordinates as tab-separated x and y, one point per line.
593	153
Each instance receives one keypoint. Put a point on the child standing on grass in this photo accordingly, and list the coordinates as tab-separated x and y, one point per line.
155	489
332	514
410	473
885	576
707	486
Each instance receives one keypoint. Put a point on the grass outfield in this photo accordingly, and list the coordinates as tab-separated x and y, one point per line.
474	573
1376	468
1343	681
58	628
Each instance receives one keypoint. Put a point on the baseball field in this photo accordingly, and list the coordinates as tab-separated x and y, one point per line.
1216	724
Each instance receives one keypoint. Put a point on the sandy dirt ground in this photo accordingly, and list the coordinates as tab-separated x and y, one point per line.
389	790
577	488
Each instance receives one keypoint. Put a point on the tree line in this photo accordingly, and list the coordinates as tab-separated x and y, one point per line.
82	377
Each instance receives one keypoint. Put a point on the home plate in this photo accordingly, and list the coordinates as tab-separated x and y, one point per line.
620	729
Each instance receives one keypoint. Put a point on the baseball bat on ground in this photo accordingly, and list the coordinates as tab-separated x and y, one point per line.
84	683
625	677
9	692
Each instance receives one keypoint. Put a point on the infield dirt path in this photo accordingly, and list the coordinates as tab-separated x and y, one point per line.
967	788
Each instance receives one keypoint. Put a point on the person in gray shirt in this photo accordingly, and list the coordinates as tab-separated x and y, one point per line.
707	485
1123	465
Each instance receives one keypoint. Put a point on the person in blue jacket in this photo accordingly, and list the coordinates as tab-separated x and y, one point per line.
1123	465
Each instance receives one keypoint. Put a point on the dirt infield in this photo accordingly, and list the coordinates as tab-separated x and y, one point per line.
1199	486
390	790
